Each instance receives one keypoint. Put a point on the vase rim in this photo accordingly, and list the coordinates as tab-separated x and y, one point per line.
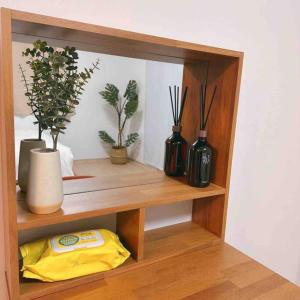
32	140
44	150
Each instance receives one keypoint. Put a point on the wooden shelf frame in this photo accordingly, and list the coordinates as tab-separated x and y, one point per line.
225	67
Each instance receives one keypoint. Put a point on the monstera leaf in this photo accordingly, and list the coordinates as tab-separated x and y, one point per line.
106	138
111	94
131	138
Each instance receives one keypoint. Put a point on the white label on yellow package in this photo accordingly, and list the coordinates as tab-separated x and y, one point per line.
78	240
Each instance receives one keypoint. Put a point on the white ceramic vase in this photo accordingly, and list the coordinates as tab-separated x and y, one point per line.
25	146
45	185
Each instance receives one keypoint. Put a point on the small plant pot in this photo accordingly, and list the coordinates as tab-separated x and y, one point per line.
25	146
45	185
119	156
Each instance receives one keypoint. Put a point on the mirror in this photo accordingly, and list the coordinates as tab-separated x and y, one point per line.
82	151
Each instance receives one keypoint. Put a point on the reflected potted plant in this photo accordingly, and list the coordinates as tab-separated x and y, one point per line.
125	108
53	93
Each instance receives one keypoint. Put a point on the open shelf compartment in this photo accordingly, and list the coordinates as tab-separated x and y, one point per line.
159	244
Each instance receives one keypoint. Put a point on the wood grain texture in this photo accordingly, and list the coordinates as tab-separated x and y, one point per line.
225	74
160	244
102	202
209	212
130	229
113	41
7	158
216	272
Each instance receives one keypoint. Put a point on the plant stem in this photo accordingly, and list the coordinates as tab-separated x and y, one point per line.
55	139
120	131
40	132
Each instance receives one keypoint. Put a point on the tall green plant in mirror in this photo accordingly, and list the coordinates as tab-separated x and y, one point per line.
53	91
125	107
55	87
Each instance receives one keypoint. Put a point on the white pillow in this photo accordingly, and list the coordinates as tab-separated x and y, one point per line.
26	123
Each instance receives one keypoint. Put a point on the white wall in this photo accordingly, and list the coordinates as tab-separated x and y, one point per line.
94	113
263	213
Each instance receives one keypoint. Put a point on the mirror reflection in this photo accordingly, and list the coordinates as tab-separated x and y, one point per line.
123	112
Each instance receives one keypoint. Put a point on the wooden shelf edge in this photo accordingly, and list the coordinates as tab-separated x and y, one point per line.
159	245
58	218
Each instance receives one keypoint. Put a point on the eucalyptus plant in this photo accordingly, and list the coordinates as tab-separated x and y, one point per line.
125	108
55	86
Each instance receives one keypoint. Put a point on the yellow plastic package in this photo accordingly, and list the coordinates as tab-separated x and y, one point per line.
72	255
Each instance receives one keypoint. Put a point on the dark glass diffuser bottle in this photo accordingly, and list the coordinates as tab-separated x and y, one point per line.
200	153
175	153
199	162
176	145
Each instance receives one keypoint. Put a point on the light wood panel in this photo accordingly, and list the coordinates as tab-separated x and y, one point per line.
92	204
209	213
225	74
113	41
176	239
7	157
160	244
130	229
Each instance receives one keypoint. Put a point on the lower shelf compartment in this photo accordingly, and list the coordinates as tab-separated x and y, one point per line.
161	243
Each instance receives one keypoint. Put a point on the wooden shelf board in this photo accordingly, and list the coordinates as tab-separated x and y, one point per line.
96	38
107	201
160	244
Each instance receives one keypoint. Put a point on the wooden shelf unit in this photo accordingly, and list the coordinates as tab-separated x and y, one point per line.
128	197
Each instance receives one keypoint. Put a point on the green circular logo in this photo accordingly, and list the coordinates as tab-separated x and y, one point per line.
68	240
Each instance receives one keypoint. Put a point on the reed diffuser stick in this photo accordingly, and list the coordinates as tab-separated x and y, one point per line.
210	105
177	114
172	105
203	97
182	104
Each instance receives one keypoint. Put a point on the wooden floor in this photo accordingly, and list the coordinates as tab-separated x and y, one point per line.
217	272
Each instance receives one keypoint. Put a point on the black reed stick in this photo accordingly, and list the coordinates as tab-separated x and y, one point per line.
182	104
177	115
211	102
172	105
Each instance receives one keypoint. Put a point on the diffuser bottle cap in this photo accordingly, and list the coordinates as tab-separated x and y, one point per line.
203	133
176	128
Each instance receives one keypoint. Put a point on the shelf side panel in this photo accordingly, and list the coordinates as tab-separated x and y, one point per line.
130	229
209	213
7	156
222	73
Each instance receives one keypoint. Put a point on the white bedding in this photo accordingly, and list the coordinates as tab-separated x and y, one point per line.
24	129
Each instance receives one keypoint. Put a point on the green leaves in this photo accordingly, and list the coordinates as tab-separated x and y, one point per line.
132	99
128	106
131	138
55	87
106	138
131	90
111	94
